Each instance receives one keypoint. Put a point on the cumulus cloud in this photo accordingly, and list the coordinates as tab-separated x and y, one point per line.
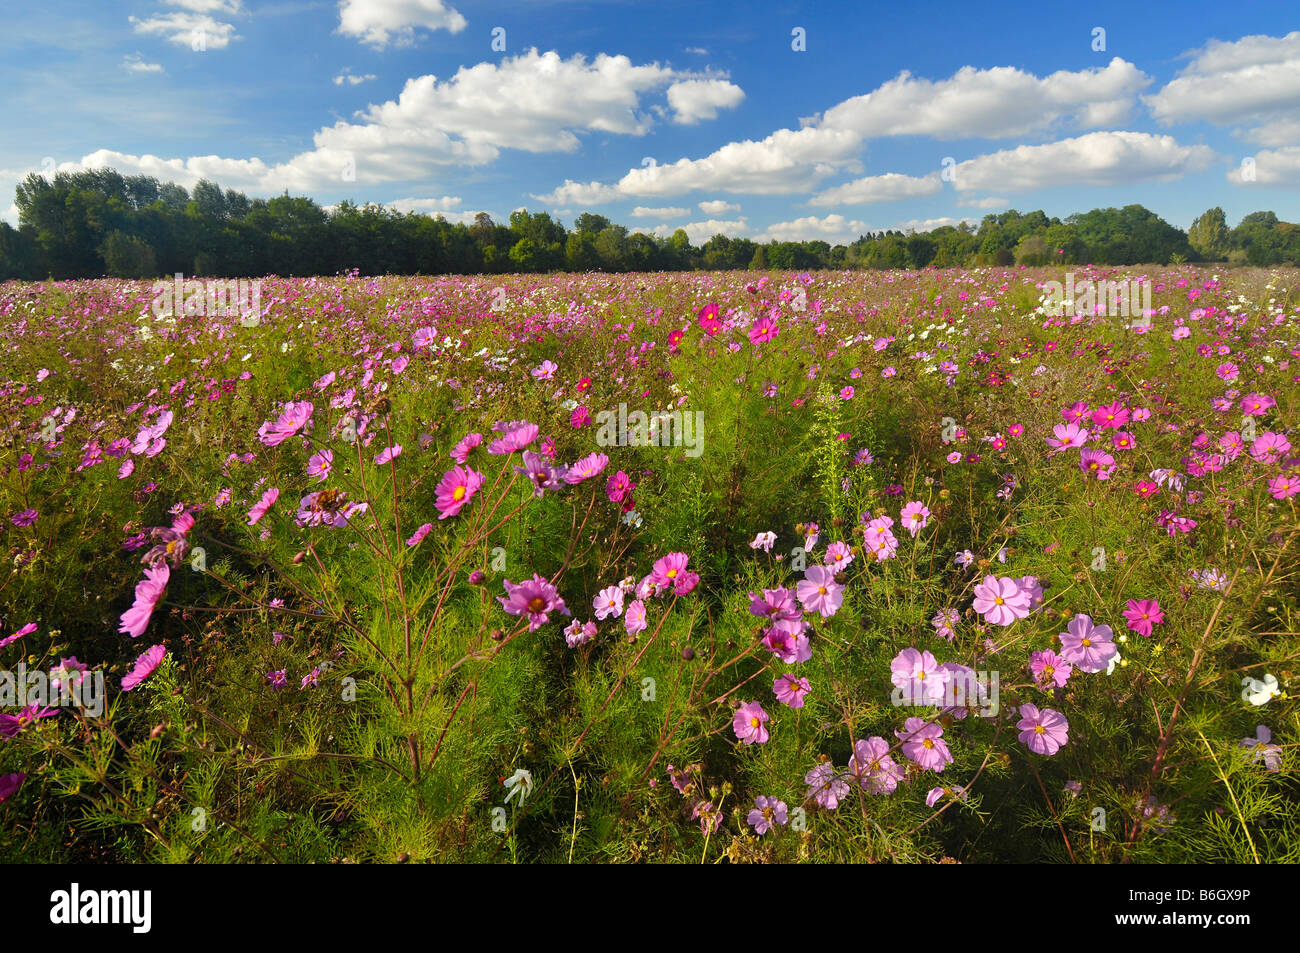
1254	80
187	29
1271	167
700	232
996	103
1098	158
985	203
352	79
890	187
670	212
696	99
135	63
378	23
834	228
716	207
427	206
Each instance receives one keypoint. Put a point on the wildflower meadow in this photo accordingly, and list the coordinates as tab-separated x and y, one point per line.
755	567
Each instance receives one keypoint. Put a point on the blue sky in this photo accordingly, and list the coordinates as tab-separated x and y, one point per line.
671	114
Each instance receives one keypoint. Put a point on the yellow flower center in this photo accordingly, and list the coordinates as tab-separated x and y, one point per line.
536	604
671	574
753	722
998	600
458	494
927	743
1039	730
1086	643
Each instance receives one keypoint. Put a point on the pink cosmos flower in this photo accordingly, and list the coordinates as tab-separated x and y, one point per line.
535	598
457	487
579	633
791	689
1122	440
321	464
1087	645
873	767
1044	732
1076	412
923	744
1269	446
545	371
825	786
838	556
1068	436
1143	615
915	516
514	439
1097	462
819	592
917	674
460	452
145	665
581	417
619	487
775	604
292	420
24	517
418	536
148	593
9	785
1001	600
542	475
1282	486
608	602
767	812
707	317
634	619
750	723
387	454
261	506
763	541
1047	666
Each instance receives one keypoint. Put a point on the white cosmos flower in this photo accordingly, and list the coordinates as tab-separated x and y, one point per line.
521	783
1257	692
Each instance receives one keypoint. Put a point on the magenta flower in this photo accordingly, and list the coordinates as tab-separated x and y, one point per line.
874	768
294	418
767	812
320	464
1087	645
634	619
1283	487
261	506
9	785
545	371
457	487
535	598
775	604
819	592
327	508
1143	615
667	568
387	454
1256	405
825	786
789	646
619	487
707	317
541	474
514	440
1044	732
418	536
1047	666
763	330
1269	446
1110	416
838	556
1076	412
278	678
791	689
1001	600
923	744
581	417
592	465
13	725
145	665
24	517
460	452
750	723
148	593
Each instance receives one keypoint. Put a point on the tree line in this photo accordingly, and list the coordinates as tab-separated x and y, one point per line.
98	222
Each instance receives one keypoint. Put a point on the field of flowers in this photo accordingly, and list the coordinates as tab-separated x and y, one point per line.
833	567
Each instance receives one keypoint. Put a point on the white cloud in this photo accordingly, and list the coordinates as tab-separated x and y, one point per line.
380	22
671	212
986	203
135	63
717	207
429	206
696	99
834	228
1280	132
995	103
890	187
207	6
352	79
700	232
786	162
1272	167
188	29
1252	80
918	225
1098	158
698	50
